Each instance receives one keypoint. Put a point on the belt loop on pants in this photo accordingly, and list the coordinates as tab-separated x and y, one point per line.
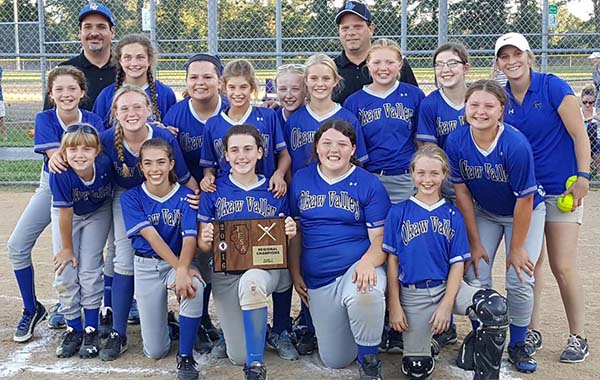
426	284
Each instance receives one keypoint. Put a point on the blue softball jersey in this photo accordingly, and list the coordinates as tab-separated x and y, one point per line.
170	215
438	116
389	122
132	159
49	129
263	119
426	239
191	131
234	201
165	98
300	131
496	177
335	216
539	120
71	191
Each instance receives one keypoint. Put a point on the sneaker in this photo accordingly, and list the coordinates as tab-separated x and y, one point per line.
395	343
370	368
211	330
435	348
186	368
134	314
282	343
56	320
28	322
533	341
106	322
576	351
114	347
520	357
255	371
219	351
70	344
91	343
173	325
385	339
306	341
203	343
447	337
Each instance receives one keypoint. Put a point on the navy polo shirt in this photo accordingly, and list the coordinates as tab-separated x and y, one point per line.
357	76
97	78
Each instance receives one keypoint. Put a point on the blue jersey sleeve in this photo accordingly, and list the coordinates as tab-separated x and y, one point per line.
361	147
206	210
390	238
293	200
453	157
45	136
133	213
181	169
426	125
61	187
102	105
459	244
277	133
557	90
208	156
521	171
189	221
377	205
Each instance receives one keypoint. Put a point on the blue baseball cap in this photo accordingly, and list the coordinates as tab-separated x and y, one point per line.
356	8
99	9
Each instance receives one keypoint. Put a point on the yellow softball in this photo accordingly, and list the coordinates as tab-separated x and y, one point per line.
565	203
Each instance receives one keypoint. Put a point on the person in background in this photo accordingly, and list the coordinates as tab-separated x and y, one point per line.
591	119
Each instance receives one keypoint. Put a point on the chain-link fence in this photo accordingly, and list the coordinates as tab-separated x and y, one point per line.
36	36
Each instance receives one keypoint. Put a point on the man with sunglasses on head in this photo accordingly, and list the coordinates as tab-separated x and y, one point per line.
356	28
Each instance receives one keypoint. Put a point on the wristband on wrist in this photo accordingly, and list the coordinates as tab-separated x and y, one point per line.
585	175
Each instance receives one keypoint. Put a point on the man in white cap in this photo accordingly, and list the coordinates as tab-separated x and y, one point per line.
595	57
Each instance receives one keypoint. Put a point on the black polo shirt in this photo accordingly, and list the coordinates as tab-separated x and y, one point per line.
97	78
355	77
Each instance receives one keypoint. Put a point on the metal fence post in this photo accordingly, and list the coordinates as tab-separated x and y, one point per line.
442	21
153	22
278	34
17	49
213	47
404	25
545	8
42	42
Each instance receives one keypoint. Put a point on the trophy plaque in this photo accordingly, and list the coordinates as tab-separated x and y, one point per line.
251	243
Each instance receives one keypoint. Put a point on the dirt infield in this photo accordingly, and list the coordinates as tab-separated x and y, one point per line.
36	359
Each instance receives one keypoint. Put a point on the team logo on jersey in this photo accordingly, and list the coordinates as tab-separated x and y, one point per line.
511	111
537	105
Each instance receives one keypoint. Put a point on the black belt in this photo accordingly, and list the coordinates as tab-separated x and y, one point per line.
424	284
392	172
147	255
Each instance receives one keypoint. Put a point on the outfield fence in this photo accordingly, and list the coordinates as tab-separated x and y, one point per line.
36	36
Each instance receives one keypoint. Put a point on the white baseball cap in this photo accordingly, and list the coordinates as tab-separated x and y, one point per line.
594	55
512	39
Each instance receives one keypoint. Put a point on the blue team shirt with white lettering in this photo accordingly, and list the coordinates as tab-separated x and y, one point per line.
263	119
426	239
132	159
300	131
191	130
171	216
49	130
335	218
539	120
438	117
165	97
389	122
71	191
496	177
234	201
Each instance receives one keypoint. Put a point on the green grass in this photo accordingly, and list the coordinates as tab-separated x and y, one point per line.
17	137
18	171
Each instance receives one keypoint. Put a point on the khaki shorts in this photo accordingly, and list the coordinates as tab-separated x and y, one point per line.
554	215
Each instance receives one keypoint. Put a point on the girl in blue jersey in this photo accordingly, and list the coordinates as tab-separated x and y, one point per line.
66	88
291	93
336	262
321	80
426	240
239	82
387	111
241	300
131	108
134	57
81	219
163	230
201	102
544	108
498	194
